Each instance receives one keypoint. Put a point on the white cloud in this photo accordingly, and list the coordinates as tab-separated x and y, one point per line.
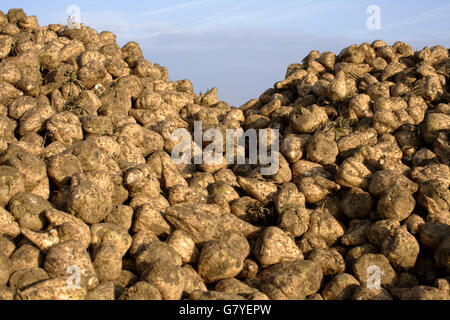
439	13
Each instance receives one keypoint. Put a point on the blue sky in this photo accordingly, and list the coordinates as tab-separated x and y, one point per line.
243	47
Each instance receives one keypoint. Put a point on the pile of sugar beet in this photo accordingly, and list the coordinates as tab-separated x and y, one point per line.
92	206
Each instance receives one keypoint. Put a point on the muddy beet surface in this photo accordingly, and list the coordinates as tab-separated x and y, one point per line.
93	206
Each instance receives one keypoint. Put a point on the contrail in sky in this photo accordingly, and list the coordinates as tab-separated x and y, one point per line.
176	7
205	22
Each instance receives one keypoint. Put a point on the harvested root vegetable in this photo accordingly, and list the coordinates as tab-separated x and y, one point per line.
95	204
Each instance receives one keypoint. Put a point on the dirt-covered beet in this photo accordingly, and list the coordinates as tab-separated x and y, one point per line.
94	206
